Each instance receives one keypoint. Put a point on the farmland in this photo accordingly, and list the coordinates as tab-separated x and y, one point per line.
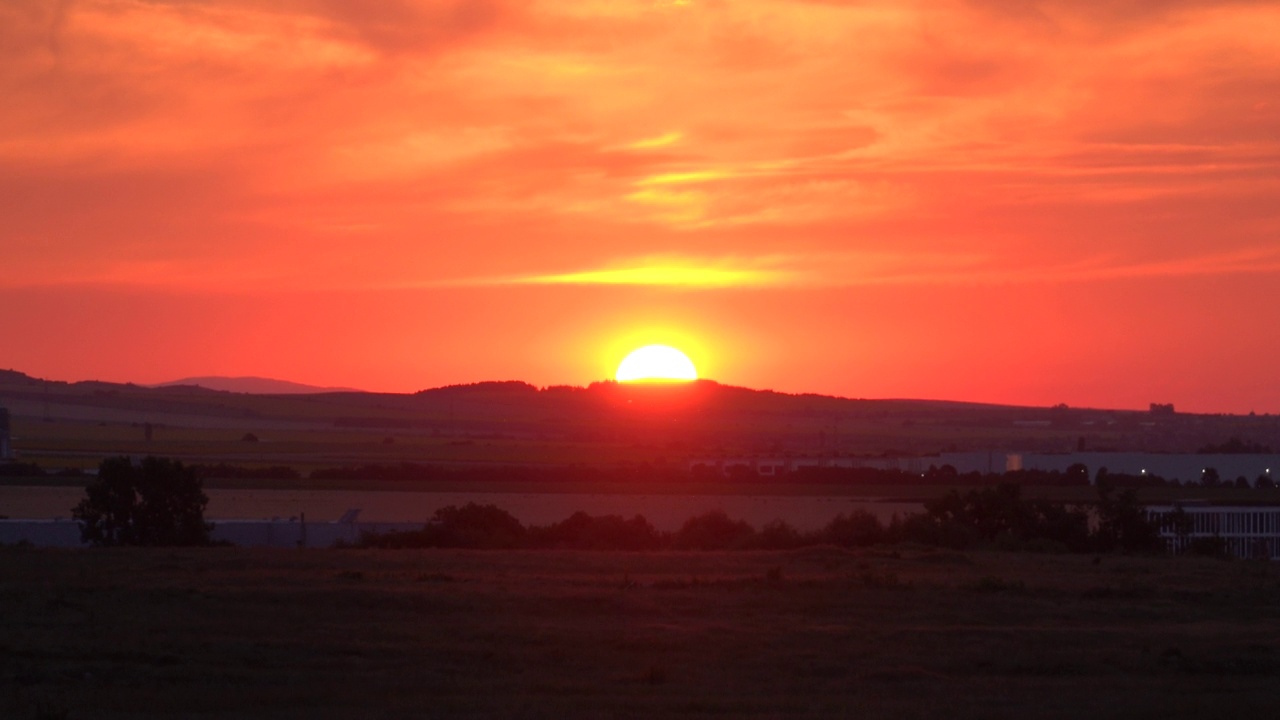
818	632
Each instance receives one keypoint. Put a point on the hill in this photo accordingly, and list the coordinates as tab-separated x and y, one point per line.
253	385
63	424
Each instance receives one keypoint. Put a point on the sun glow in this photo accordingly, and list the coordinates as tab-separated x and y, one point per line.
656	363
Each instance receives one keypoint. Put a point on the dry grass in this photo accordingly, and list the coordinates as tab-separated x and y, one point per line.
819	632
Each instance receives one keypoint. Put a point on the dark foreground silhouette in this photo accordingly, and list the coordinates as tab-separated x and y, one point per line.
996	517
822	632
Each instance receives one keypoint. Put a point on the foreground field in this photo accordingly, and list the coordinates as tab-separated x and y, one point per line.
820	632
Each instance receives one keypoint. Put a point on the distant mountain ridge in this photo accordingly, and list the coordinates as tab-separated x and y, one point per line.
253	385
645	423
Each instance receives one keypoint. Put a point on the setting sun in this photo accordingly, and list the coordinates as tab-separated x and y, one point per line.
660	363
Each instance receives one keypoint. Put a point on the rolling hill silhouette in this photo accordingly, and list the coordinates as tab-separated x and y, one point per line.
253	385
684	419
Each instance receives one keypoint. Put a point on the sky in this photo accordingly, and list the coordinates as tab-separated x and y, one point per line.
986	200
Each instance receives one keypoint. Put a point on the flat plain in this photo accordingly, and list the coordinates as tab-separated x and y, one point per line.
817	632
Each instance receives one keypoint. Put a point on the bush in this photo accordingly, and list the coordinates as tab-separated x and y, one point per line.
857	529
1208	547
778	535
713	531
477	526
581	531
995	517
1123	524
20	469
484	527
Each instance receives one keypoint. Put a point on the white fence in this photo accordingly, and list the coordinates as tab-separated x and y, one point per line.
1245	531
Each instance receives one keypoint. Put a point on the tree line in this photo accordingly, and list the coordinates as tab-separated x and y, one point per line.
991	518
160	502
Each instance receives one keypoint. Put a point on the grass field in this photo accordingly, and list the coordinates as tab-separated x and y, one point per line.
819	632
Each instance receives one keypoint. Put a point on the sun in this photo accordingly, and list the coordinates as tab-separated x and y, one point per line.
656	363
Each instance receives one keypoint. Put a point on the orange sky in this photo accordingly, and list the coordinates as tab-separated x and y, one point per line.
989	200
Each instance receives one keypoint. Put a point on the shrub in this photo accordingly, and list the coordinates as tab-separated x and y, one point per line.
778	535
995	517
477	526
581	531
20	469
1213	546
857	529
485	527
713	531
1123	524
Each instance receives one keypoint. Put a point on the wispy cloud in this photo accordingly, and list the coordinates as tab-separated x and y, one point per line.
1248	261
678	272
659	141
684	178
887	269
988	270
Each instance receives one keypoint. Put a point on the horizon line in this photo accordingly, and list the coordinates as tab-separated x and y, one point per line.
325	390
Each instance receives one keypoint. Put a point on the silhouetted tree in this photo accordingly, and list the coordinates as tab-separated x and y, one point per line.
1110	481
476	526
485	527
155	502
713	531
857	529
1078	474
779	535
1123	524
998	516
942	475
581	531
1235	446
1179	522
